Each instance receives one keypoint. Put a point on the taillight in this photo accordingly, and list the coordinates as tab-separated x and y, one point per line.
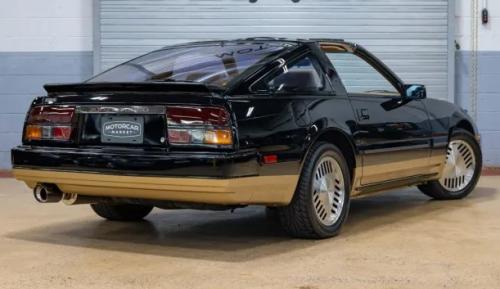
190	125
49	123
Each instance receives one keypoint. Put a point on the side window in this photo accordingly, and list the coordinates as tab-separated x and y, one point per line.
360	77
302	76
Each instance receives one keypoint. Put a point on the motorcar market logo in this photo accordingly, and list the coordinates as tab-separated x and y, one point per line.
122	129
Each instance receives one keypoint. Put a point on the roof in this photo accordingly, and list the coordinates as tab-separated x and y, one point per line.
304	40
267	38
330	43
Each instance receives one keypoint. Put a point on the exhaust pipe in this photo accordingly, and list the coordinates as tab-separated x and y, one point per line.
50	193
47	193
76	199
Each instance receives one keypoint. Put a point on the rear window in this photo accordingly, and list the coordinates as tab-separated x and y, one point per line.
216	63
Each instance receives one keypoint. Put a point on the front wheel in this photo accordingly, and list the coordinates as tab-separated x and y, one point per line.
321	201
461	171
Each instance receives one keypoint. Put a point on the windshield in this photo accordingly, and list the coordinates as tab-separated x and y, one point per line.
215	63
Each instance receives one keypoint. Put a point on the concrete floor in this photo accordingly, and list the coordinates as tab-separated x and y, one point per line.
399	239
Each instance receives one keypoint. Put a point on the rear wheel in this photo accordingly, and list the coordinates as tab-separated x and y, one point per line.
272	214
121	212
321	201
461	171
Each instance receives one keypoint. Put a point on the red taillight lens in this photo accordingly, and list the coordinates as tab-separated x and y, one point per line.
179	136
51	115
61	132
49	123
191	115
190	125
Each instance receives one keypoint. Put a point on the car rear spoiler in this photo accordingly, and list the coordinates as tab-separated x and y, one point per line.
129	87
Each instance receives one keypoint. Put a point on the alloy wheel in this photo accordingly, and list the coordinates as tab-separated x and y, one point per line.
328	191
459	167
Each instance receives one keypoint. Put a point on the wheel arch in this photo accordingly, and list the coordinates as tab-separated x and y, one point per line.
343	141
464	124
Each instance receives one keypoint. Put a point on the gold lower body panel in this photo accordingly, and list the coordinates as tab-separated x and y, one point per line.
375	176
400	169
265	190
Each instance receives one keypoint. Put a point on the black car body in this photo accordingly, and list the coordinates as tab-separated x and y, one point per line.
221	124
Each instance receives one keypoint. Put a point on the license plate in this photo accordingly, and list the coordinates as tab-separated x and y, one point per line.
122	129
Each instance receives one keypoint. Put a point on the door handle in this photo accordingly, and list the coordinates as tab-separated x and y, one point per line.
363	114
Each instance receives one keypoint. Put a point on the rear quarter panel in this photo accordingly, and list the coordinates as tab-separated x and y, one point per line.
287	126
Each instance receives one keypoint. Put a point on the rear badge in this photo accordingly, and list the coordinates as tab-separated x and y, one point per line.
122	129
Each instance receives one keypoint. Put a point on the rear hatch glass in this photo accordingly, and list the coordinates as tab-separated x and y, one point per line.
212	63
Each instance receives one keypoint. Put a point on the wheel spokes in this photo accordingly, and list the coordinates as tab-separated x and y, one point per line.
328	191
459	167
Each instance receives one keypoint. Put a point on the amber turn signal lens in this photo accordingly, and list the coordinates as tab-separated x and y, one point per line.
33	132
218	137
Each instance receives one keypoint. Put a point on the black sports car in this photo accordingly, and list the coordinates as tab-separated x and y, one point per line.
299	126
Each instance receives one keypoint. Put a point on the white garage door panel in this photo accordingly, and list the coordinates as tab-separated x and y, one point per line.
410	36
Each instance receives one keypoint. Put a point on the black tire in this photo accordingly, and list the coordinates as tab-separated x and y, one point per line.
299	218
121	212
435	190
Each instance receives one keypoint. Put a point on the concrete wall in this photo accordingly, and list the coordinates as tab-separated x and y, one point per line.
488	100
40	42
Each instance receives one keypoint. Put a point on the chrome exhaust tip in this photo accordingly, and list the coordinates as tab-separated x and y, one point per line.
76	199
46	193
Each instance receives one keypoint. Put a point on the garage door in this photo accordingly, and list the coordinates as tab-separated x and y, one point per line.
410	36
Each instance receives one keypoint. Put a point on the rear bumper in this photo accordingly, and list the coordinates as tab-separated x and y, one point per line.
225	179
137	161
268	190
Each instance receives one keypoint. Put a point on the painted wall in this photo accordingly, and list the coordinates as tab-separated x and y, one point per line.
488	100
40	42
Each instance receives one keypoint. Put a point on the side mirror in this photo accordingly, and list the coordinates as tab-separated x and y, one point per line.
414	91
